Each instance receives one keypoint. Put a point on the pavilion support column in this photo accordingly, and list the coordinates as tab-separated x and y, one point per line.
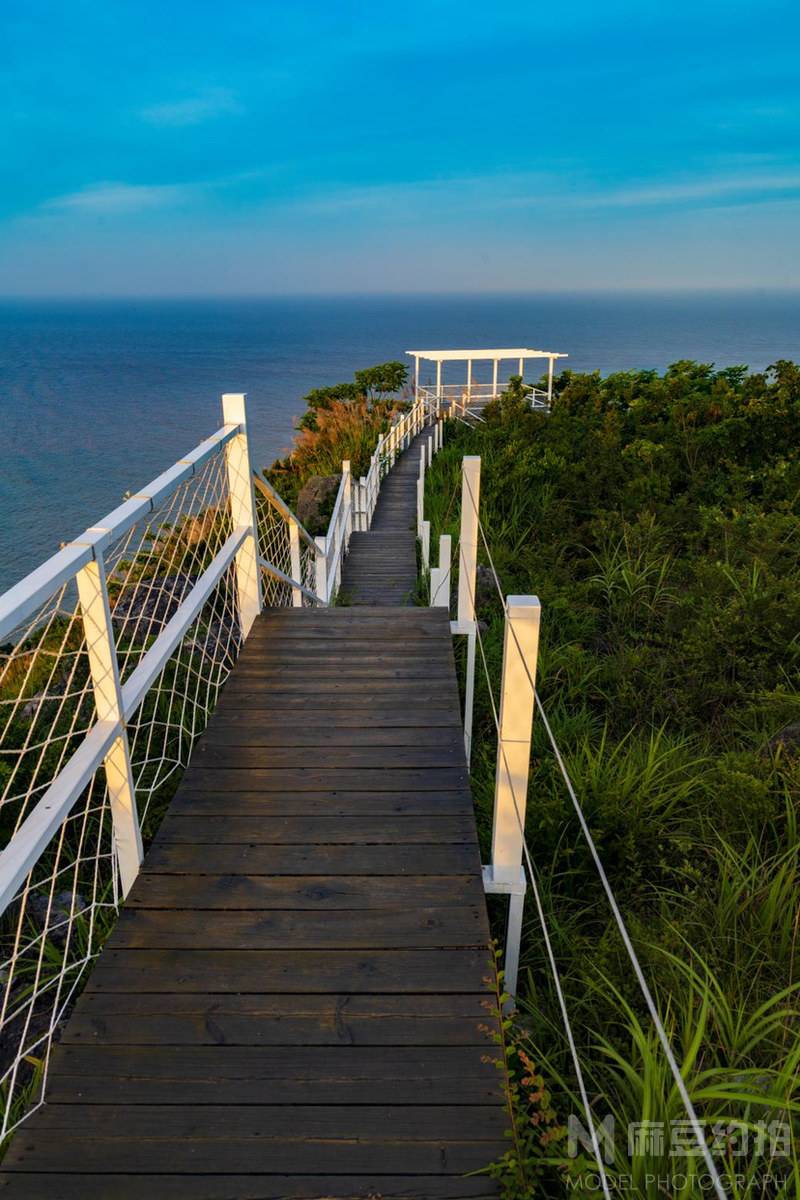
494	378
469	380
550	365
438	386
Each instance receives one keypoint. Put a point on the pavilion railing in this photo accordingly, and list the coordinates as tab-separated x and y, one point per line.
462	397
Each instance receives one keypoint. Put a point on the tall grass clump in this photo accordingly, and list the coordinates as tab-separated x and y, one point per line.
340	422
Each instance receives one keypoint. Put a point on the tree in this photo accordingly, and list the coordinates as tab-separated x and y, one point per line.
383	379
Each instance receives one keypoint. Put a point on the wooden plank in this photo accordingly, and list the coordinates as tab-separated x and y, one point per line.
211	1019
240	859
437	971
257	697
272	1122
371	675
360	717
251	729
213	1186
364	654
386	632
317	830
209	756
186	929
266	804
389	689
337	1075
415	632
283	707
255	893
316	779
89	1153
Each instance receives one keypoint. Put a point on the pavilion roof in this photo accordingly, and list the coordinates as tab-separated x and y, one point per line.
477	355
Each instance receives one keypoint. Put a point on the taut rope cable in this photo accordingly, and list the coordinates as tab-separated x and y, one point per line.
546	935
650	1002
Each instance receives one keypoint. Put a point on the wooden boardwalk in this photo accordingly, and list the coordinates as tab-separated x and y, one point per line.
293	1002
381	567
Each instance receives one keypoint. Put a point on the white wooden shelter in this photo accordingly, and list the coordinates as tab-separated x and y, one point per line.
470	392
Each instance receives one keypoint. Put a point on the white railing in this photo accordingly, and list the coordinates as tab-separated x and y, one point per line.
112	655
287	553
511	870
463	398
390	444
333	547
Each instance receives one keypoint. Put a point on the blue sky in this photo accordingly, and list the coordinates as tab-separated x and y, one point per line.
259	147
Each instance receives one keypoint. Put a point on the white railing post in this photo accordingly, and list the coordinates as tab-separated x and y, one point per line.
374	487
104	668
243	510
363	500
426	544
296	568
347	502
517	696
321	565
468	538
467	568
440	576
421	492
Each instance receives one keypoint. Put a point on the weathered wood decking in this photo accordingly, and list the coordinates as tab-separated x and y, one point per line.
381	567
293	1001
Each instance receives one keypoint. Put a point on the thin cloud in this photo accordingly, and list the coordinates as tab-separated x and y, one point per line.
219	102
474	192
110	198
544	191
701	189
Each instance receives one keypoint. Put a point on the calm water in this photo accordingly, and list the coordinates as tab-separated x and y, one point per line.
97	398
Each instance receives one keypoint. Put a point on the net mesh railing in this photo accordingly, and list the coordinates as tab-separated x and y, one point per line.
52	928
61	913
275	552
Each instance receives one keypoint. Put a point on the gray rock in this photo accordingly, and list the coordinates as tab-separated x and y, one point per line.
146	608
53	918
315	502
485	586
54	691
787	739
196	530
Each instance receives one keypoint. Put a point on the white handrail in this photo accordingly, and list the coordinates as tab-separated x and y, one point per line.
86	638
269	494
25	597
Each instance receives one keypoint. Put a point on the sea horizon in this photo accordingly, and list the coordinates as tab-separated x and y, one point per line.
98	395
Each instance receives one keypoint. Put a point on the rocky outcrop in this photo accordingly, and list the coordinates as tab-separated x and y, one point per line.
315	502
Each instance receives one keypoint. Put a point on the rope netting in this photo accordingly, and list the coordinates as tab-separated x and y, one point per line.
57	921
275	551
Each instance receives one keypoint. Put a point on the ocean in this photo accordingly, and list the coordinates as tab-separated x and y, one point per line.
97	397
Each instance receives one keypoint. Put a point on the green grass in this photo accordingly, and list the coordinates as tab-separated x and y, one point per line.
657	519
